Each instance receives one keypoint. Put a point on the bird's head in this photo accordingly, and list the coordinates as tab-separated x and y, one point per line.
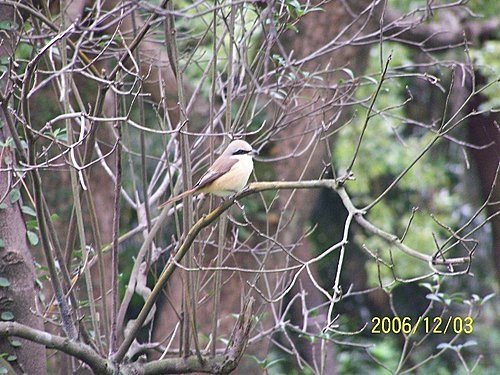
240	147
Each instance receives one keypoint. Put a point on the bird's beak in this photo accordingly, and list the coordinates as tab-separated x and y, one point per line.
254	152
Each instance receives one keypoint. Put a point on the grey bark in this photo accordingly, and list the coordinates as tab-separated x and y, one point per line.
16	263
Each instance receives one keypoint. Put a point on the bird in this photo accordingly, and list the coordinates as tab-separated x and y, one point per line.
228	174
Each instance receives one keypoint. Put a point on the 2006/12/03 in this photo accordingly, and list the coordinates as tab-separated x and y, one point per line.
435	325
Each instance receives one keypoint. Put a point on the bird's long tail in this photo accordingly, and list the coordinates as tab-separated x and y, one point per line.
178	197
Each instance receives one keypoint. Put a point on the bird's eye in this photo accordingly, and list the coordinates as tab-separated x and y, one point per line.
241	152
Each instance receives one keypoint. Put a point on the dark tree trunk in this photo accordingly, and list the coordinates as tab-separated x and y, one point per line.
483	130
342	22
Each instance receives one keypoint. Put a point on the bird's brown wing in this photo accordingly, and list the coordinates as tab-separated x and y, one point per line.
217	169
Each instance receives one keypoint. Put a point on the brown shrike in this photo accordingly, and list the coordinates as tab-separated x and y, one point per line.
228	174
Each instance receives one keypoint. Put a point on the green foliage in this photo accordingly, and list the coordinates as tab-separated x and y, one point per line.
32	224
196	40
28	211
32	238
407	5
484	7
487	59
59	134
276	363
4	283
14	195
267	363
389	146
9	142
7	315
8	25
434	186
23	51
16	343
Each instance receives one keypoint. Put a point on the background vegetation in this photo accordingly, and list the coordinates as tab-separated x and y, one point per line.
375	194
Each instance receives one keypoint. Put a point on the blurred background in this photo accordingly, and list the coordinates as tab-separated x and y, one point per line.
396	100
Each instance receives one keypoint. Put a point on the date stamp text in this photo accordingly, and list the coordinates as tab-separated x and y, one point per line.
434	325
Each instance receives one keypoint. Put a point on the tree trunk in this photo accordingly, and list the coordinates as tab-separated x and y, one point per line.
319	107
17	273
484	130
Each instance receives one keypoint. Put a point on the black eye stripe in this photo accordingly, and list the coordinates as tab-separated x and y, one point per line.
241	152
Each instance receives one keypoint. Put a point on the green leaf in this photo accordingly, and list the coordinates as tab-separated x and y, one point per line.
7	315
3	370
3	206
273	362
32	224
14	195
4	283
2	244
32	238
12	358
6	25
28	211
61	135
16	343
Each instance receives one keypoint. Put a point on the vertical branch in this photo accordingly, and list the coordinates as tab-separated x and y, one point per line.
131	285
223	219
75	188
368	114
114	251
189	303
67	321
50	226
89	148
215	315
144	178
64	263
96	234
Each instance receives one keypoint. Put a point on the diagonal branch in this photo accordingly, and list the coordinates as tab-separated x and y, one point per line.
75	348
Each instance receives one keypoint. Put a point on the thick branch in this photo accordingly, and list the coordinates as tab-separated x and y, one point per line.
440	35
191	364
74	348
220	364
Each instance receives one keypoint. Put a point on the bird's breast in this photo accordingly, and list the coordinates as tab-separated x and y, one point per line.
234	180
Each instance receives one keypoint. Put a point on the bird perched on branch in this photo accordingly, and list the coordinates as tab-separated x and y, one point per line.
227	175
